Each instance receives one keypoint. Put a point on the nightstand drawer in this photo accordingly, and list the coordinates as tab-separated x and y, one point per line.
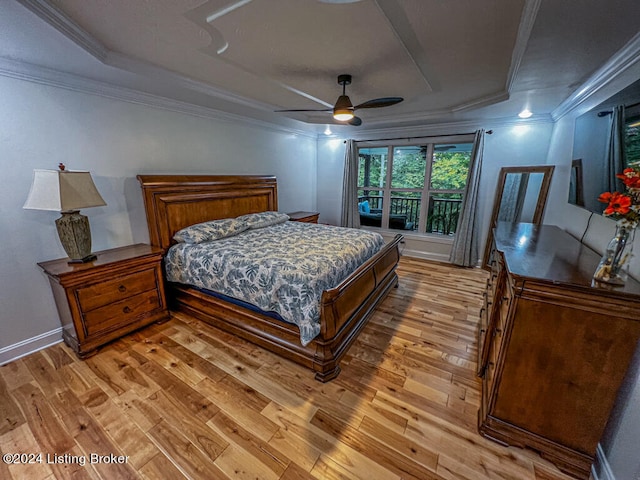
121	288
121	313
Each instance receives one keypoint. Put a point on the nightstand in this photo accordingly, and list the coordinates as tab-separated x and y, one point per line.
306	217
99	301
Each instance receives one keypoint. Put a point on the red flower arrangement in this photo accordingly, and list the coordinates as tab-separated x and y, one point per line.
625	207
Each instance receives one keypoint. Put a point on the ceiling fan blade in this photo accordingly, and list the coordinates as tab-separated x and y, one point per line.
379	102
307	110
344	108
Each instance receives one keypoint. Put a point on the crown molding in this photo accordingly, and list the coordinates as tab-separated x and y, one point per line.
123	62
449	128
484	101
65	25
527	20
624	59
54	78
426	116
70	29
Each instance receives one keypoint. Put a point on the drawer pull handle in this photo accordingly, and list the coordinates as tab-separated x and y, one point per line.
126	310
122	288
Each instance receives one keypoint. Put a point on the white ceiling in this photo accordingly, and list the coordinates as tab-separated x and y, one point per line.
451	60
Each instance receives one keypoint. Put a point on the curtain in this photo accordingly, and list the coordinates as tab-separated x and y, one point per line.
614	163
464	251
350	217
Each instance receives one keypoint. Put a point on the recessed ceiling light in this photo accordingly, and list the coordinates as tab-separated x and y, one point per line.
525	113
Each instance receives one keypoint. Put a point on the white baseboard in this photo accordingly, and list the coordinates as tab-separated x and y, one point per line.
601	470
30	345
424	255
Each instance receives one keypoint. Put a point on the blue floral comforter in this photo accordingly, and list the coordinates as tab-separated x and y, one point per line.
282	268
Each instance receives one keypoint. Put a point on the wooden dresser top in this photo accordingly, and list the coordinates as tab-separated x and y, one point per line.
548	253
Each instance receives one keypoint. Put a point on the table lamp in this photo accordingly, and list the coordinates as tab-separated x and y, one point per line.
67	192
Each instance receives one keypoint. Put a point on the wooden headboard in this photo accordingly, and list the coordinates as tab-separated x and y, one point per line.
173	202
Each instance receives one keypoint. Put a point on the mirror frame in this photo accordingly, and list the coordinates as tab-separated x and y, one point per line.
547	171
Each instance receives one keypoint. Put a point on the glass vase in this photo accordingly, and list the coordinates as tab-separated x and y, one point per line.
613	267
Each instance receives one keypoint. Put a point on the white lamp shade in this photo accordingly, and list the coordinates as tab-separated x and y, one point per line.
62	191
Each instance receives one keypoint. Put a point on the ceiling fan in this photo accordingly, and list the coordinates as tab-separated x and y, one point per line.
343	108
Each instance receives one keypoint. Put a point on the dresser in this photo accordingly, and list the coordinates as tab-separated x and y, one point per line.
553	349
99	301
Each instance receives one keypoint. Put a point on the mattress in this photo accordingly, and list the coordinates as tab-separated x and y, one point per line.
282	268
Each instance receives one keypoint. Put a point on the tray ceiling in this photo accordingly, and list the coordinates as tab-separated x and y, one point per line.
449	60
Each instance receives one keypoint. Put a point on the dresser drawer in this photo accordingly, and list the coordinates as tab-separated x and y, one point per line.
120	288
121	313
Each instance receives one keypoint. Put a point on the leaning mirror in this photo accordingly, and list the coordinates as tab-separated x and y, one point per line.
521	196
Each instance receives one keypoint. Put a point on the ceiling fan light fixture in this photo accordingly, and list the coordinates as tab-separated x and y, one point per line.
343	109
342	115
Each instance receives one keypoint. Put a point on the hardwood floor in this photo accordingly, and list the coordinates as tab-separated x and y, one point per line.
184	400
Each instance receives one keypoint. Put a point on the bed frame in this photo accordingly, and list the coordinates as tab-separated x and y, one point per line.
173	202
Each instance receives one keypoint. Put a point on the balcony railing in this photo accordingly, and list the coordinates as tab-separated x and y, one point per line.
404	213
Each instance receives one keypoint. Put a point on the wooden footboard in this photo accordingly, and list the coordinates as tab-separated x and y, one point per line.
346	308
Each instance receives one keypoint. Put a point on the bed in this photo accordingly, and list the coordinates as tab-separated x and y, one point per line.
173	202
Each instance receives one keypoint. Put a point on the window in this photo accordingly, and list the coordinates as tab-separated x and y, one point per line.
413	187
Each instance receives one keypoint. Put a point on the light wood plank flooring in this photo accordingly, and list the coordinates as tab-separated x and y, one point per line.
184	400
